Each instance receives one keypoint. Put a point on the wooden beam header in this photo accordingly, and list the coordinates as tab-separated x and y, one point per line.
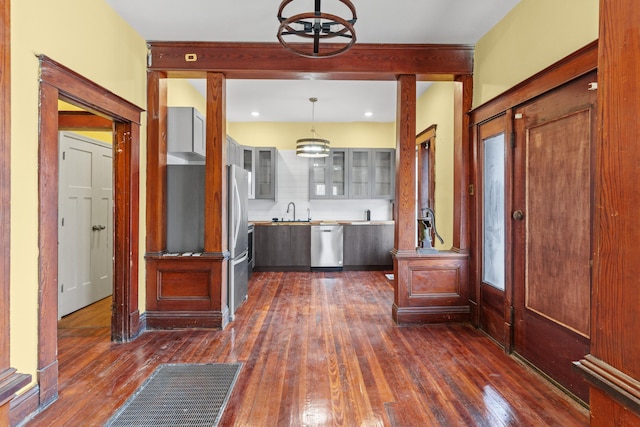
272	61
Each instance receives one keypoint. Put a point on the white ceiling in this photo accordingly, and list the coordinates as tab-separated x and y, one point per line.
379	21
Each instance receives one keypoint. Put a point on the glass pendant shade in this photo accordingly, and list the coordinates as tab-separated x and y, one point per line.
312	147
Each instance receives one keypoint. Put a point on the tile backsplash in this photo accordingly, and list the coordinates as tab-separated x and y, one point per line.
293	186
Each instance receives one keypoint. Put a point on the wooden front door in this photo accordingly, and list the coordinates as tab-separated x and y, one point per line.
551	219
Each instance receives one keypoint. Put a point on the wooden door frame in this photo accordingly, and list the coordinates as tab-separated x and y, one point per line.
427	155
58	82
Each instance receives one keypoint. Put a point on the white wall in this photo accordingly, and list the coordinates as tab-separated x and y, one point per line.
293	186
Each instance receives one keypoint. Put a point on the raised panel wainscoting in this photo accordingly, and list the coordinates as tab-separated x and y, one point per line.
435	290
185	292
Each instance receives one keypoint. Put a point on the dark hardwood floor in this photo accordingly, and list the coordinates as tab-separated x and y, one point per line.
317	349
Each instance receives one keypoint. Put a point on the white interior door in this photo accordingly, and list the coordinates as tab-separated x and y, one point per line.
85	232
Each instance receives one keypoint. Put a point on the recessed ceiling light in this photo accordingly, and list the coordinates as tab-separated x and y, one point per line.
255	114
368	114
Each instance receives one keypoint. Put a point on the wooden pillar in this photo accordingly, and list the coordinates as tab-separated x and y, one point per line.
10	380
187	292
463	97
433	287
215	234
405	205
216	230
613	367
156	162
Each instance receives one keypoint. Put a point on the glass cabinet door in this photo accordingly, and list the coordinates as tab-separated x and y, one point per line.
318	177
339	174
360	174
265	182
384	174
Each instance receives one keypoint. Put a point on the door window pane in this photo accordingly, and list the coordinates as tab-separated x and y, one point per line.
493	220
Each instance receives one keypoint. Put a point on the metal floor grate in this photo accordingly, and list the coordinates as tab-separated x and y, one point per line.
180	395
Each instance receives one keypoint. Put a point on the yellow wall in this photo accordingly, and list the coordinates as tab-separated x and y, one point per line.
180	93
89	38
284	135
534	35
435	106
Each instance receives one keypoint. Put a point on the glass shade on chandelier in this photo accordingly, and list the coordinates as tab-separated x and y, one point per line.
316	28
312	147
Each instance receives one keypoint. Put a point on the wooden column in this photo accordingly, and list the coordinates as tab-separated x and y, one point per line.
10	380
405	205
216	230
428	288
156	162
462	146
187	292
215	235
613	367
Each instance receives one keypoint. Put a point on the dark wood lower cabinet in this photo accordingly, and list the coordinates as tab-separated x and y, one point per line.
368	247
282	247
288	247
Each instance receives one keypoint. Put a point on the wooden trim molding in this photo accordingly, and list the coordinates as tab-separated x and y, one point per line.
426	142
270	60
83	120
615	383
58	82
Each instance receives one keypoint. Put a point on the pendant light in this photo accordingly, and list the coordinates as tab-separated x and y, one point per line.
312	147
317	27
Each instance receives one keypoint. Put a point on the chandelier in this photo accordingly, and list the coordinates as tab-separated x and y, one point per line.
317	27
312	147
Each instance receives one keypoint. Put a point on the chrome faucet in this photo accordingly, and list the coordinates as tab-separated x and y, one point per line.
294	209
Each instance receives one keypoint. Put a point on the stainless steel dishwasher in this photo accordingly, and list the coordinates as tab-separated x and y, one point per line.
326	245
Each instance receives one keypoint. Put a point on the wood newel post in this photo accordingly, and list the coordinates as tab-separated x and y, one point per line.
405	204
215	229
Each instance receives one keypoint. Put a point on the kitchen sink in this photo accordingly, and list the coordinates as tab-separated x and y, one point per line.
297	222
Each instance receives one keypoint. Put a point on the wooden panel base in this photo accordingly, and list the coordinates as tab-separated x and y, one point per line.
431	288
48	381
187	319
187	292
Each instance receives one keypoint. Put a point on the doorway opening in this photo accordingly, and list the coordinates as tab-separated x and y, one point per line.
85	211
60	83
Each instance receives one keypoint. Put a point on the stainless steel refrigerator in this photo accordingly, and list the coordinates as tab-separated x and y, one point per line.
238	196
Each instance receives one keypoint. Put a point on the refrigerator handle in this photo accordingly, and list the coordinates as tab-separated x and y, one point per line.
238	212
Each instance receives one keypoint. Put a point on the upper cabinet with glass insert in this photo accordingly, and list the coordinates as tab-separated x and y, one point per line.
328	176
383	174
354	173
266	172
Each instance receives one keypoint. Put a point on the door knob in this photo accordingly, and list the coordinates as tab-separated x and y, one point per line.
518	215
98	227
